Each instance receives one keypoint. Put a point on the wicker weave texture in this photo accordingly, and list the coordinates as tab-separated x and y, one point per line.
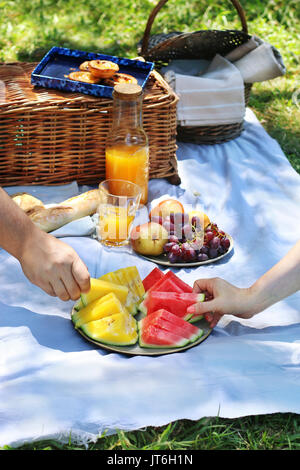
50	137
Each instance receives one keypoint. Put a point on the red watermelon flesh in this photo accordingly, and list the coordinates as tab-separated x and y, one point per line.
154	276
170	322
174	302
166	285
163	285
153	337
180	283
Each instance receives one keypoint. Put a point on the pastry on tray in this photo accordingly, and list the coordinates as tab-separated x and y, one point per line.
103	68
85	77
120	78
84	67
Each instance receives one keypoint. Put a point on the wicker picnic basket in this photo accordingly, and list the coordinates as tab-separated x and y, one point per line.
204	44
51	137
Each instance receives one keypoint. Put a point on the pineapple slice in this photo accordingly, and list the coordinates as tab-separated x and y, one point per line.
107	305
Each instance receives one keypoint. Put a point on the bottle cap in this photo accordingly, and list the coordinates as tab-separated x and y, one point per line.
127	91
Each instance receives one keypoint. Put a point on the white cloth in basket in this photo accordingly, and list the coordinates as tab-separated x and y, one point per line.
212	93
215	97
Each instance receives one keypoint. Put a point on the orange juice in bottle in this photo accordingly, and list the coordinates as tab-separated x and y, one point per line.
127	149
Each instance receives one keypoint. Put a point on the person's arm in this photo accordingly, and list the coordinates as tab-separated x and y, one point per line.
281	281
46	261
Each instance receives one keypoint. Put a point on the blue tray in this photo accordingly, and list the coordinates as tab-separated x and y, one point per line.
59	61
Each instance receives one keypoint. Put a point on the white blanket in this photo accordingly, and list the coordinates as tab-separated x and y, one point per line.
55	384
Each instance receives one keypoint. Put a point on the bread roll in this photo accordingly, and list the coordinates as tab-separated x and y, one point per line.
52	218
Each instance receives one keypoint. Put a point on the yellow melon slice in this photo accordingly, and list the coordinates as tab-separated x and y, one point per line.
130	278
99	308
98	289
119	329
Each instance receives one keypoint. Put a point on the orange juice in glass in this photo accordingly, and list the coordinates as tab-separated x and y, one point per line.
118	203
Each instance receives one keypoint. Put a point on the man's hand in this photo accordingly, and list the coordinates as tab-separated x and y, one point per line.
54	266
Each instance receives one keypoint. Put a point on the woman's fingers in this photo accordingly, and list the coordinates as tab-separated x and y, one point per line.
200	308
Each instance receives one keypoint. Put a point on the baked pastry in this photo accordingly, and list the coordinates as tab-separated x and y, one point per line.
52	218
85	77
84	67
120	78
103	68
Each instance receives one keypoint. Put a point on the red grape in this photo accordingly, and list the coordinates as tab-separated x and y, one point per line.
173	239
202	257
213	252
225	242
168	246
209	235
172	258
215	242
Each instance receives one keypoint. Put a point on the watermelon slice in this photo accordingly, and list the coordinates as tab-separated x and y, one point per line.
153	337
154	276
168	321
181	286
174	302
180	283
163	285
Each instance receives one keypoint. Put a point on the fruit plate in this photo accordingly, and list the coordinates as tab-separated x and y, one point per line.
163	260
136	350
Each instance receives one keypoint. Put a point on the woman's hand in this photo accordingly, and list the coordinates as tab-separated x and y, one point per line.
223	298
279	282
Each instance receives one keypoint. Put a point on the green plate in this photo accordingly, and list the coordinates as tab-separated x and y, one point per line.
136	350
163	260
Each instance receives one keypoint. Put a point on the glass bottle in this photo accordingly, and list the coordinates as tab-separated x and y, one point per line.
127	148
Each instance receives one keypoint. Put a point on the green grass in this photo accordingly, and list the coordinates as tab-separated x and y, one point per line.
30	28
268	432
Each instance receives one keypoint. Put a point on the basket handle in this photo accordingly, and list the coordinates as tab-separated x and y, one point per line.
161	3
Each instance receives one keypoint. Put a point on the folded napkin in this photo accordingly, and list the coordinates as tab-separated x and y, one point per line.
214	97
83	227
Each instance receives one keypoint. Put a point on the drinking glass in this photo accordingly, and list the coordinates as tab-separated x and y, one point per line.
118	203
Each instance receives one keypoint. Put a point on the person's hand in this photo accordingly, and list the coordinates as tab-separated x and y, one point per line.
54	266
222	298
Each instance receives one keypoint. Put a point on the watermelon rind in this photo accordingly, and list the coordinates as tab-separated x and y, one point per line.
169	326
181	341
195	318
142	309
